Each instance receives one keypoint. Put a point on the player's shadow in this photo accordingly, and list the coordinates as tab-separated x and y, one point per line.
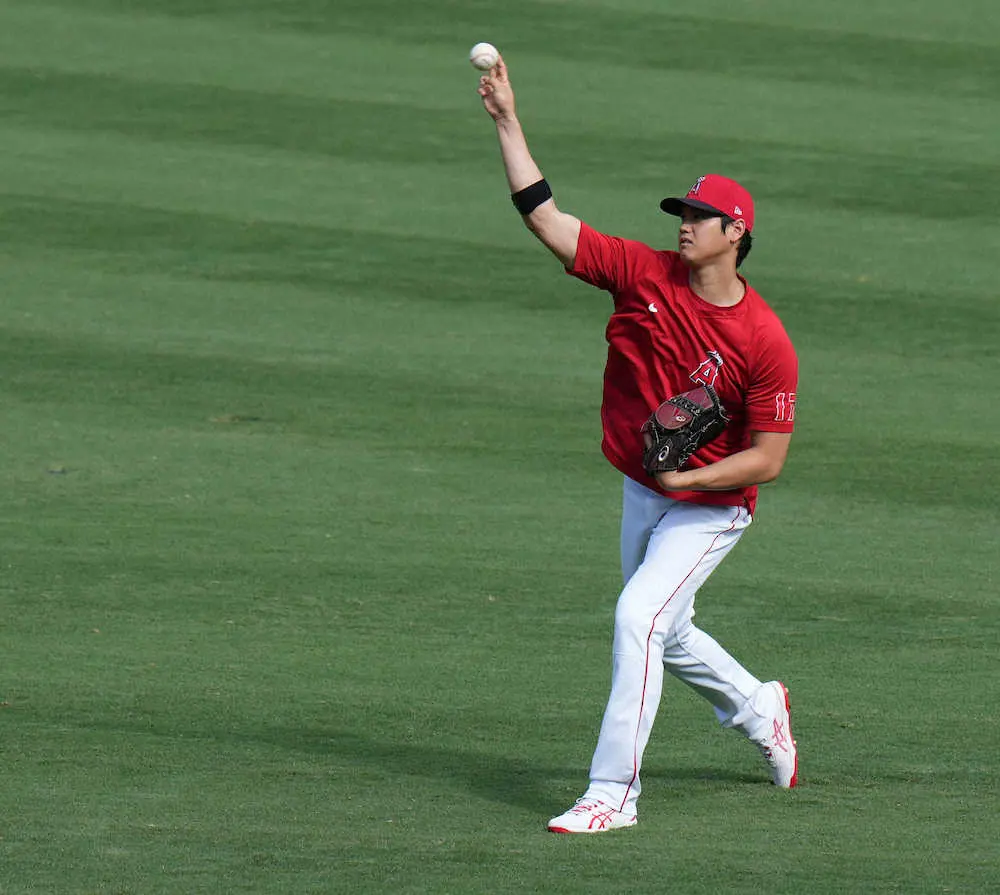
500	778
507	779
504	779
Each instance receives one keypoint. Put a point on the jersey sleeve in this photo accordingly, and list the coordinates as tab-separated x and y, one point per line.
770	402
608	262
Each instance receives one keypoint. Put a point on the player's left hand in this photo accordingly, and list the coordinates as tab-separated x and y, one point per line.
674	481
679	427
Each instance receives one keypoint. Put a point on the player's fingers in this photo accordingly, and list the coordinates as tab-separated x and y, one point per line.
500	69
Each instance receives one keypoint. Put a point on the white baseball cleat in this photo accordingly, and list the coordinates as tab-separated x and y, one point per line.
590	816
778	745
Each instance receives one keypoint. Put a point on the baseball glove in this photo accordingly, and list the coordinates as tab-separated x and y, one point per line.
679	426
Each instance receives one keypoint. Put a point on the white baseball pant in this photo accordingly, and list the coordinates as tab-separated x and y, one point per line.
668	549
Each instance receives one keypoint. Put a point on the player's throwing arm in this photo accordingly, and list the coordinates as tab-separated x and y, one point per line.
529	191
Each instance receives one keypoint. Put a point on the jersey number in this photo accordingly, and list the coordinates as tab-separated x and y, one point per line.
784	407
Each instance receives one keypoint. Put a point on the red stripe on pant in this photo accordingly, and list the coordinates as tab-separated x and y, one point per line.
649	636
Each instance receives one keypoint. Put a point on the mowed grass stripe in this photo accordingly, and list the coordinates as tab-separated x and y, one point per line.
896	568
924	20
336	396
658	40
158	47
646	38
254	185
126	238
266	610
192	232
506	283
438	77
395	133
275	406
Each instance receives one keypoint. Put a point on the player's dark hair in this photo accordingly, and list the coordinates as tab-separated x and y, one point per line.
745	243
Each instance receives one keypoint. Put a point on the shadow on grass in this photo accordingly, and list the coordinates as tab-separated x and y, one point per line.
522	782
502	778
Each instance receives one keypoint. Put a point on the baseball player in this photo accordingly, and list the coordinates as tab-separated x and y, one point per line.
682	320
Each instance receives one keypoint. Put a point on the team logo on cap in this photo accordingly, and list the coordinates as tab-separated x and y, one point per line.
697	186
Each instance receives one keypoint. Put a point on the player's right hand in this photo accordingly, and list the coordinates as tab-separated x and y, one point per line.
497	94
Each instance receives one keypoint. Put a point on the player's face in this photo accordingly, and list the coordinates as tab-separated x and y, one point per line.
701	238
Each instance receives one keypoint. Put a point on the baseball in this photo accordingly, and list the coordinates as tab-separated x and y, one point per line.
484	56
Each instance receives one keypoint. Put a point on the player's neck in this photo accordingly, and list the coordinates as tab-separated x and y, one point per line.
718	284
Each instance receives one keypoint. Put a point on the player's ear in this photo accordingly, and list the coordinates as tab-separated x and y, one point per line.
735	230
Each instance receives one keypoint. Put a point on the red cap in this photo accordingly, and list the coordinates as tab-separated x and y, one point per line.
717	194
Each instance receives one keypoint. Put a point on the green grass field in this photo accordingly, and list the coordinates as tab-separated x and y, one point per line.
309	553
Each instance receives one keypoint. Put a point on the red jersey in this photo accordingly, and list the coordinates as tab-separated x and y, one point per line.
663	339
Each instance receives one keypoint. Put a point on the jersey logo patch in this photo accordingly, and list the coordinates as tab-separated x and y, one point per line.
653	308
708	370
